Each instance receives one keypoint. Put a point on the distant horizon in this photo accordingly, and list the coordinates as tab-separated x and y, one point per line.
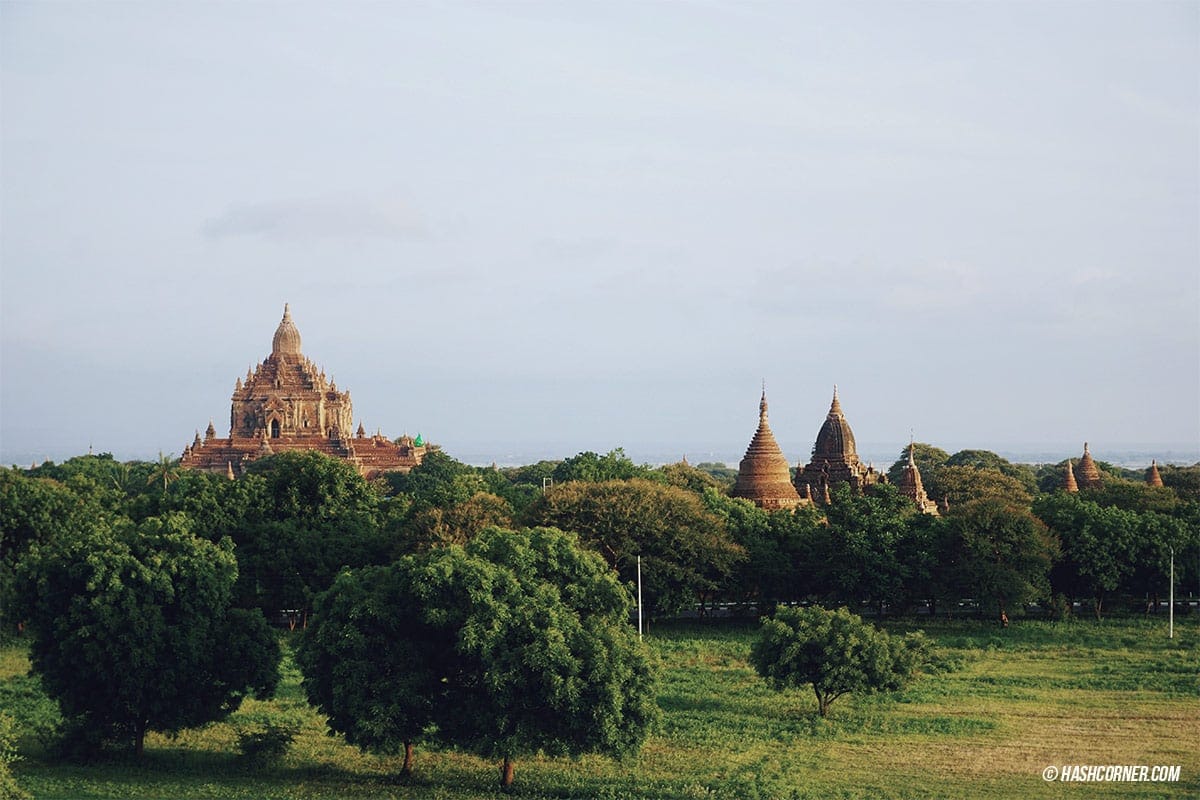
1127	455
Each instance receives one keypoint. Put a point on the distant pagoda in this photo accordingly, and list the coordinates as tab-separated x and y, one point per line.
1088	474
1070	485
834	459
910	486
286	403
763	476
1152	476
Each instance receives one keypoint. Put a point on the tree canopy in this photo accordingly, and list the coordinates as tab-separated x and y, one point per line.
133	629
835	652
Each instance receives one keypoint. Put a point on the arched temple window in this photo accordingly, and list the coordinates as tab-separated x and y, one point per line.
274	429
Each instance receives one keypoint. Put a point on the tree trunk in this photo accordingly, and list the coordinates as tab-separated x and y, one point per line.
139	744
822	703
506	773
408	759
1099	604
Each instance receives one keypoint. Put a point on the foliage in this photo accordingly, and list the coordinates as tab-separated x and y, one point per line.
455	524
9	790
515	644
1002	552
962	484
725	475
860	553
263	739
612	466
438	481
133	630
686	552
687	477
835	652
779	547
927	458
986	459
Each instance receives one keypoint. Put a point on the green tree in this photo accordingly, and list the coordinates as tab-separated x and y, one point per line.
438	481
165	471
687	554
434	526
835	652
1003	553
927	456
962	484
133	629
612	466
306	516
517	643
986	459
861	553
779	545
372	662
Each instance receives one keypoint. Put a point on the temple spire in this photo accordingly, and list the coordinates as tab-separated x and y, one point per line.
1152	476
835	408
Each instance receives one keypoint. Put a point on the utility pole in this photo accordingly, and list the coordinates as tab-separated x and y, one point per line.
639	597
1171	600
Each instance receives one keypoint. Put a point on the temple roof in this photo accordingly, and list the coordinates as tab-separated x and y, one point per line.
763	474
1088	474
287	337
1069	483
1152	476
835	440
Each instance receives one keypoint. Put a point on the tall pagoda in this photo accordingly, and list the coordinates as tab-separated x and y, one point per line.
1088	474
1152	476
763	476
834	459
287	403
910	486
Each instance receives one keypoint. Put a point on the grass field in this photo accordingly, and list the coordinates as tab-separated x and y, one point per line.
1034	695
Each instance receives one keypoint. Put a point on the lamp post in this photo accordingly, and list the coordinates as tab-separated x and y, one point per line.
1171	599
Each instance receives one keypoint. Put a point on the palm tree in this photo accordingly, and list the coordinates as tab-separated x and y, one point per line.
165	469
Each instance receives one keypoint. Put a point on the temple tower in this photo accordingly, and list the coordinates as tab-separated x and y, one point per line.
287	403
1088	474
1152	476
910	486
834	457
1070	485
763	476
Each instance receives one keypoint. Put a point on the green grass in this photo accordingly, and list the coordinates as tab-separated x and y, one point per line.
1034	695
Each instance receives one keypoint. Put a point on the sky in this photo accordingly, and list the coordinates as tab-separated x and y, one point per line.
535	227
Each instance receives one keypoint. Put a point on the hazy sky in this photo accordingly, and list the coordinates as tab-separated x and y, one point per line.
594	224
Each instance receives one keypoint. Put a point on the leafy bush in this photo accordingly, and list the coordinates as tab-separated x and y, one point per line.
9	790
264	739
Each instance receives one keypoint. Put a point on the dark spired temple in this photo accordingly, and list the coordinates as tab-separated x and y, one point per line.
287	403
834	459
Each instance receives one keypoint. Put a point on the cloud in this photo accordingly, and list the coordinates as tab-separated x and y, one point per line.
306	220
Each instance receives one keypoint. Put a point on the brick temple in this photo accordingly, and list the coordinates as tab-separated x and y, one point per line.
287	403
763	476
834	459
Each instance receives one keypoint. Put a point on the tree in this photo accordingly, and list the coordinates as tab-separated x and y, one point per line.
133	629
434	526
1099	545
1003	553
306	516
835	652
986	459
438	481
686	552
518	642
927	456
165	471
962	484
372	663
861	556
778	544
612	466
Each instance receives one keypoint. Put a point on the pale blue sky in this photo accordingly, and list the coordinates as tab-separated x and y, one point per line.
602	224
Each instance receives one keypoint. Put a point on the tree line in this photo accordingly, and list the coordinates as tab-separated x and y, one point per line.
505	591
